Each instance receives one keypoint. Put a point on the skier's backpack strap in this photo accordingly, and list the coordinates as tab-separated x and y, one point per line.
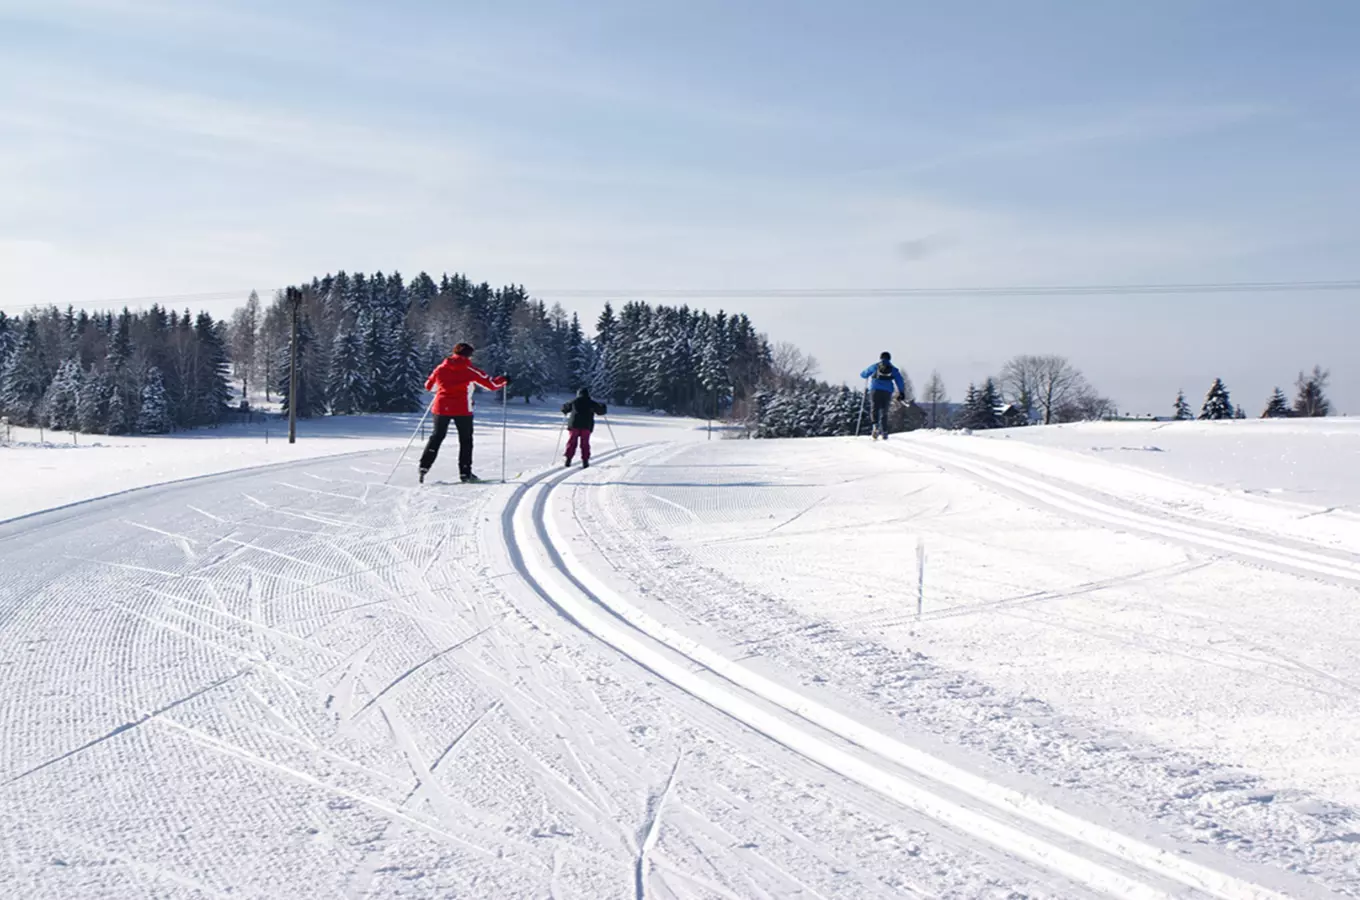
885	370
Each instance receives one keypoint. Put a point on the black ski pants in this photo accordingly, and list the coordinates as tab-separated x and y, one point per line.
881	402
441	429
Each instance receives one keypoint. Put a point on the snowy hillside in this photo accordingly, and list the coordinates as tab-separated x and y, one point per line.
696	670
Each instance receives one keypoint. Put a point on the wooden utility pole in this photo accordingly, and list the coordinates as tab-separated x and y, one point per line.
294	301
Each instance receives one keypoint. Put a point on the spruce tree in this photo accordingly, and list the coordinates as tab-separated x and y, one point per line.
120	344
529	359
1217	403
119	419
1277	407
989	405
714	363
606	326
23	383
601	378
154	415
1183	411
422	290
61	403
311	397
350	387
578	355
968	414
93	406
409	380
211	391
8	338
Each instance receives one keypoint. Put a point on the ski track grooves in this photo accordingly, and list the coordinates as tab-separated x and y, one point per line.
1177	527
571	589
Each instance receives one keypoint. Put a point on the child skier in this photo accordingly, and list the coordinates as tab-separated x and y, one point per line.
582	411
453	381
885	375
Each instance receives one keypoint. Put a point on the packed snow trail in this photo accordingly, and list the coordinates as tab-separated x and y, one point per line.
300	681
344	689
792	557
572	589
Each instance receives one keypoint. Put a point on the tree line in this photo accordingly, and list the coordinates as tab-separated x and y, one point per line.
367	341
104	373
1048	389
1310	400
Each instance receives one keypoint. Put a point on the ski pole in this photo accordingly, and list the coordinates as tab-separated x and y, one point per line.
559	441
862	403
611	432
505	425
419	426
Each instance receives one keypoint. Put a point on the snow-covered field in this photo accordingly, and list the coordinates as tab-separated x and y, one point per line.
57	469
696	670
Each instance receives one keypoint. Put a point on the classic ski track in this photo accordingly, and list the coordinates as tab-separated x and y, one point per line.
596	608
1260	547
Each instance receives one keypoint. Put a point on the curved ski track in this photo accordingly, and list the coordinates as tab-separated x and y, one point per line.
1111	863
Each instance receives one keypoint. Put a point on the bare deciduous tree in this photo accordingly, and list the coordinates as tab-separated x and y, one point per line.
1020	379
243	337
1312	397
790	366
1049	382
935	396
1085	405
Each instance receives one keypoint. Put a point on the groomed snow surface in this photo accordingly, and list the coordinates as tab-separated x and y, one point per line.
1090	661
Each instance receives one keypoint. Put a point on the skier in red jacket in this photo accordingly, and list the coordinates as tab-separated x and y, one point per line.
453	381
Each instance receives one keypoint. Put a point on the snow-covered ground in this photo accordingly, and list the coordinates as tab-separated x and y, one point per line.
695	670
47	469
1312	462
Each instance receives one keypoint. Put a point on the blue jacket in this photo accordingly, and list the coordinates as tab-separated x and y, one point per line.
885	384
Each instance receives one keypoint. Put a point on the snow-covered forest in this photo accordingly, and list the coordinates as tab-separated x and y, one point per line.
105	373
367	342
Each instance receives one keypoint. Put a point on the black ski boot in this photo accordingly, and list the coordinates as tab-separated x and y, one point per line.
422	475
585	464
568	465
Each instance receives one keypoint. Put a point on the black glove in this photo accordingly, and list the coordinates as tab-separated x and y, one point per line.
506	379
900	397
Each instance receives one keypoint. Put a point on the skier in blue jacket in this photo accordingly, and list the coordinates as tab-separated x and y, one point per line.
884	377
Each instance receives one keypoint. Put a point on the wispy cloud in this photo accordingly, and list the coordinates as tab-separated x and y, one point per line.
176	20
1035	133
176	122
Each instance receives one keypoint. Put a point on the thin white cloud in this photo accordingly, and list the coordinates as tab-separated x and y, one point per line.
1033	134
220	23
84	106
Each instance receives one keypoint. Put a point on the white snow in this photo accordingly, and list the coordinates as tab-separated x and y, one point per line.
695	670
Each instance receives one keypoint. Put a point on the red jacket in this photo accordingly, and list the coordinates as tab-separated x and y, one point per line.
452	382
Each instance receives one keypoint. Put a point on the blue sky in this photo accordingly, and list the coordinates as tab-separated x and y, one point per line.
172	147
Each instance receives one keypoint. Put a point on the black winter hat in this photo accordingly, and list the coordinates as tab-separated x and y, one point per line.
885	356
583	392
